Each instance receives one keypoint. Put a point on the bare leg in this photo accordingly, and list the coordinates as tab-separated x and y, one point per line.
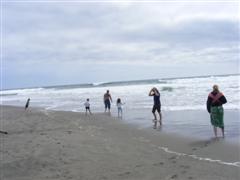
155	121
215	131
155	117
89	111
160	118
119	112
155	124
223	132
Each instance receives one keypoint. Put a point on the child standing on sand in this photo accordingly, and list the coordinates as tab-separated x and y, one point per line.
87	107
119	107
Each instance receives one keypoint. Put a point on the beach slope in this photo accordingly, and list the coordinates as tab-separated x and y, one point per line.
61	145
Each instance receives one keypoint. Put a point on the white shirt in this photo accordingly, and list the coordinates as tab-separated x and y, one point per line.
87	104
119	105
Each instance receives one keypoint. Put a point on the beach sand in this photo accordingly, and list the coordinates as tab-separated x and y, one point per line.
59	145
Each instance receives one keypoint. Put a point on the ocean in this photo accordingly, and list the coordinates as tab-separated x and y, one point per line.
184	98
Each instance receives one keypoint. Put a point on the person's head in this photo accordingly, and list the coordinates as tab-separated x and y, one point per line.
118	100
215	88
87	99
107	91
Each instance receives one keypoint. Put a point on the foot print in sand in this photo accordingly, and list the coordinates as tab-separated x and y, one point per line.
103	178
204	143
142	139
173	159
184	166
158	164
139	165
69	132
44	165
175	176
124	174
183	172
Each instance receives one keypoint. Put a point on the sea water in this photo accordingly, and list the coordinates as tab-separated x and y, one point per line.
183	101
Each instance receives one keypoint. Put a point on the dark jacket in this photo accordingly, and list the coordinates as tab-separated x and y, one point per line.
213	101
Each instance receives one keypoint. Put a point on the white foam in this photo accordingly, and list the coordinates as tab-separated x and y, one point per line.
186	94
237	164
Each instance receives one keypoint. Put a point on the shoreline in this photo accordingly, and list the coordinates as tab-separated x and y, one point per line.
200	129
70	145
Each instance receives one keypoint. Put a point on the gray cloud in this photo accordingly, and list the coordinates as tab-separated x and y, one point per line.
84	34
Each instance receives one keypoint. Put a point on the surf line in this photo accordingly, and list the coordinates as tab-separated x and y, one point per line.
237	164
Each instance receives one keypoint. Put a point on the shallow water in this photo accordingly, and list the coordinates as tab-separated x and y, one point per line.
189	123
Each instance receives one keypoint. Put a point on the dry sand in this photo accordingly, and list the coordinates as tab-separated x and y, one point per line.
44	144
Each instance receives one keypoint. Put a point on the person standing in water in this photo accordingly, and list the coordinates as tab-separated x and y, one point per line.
107	98
119	107
214	106
27	104
156	106
87	107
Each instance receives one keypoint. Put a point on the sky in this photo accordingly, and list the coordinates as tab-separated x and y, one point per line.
66	42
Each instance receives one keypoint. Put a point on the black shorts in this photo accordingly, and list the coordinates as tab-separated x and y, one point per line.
107	104
156	107
87	108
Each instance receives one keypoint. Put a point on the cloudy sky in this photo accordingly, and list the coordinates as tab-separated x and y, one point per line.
50	43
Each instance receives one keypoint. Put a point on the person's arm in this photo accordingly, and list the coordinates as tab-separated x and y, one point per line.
110	97
156	93
150	93
223	99
209	104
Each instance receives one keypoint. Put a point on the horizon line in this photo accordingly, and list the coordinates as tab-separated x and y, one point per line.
124	81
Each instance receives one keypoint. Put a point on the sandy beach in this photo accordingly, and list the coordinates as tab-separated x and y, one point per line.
59	145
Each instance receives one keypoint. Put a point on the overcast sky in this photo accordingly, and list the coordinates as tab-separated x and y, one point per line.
78	42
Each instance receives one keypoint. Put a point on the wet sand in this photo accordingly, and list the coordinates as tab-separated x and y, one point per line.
61	145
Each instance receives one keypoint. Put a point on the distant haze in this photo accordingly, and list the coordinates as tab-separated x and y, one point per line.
50	43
